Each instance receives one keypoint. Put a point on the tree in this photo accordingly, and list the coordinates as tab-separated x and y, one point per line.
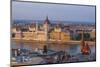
86	36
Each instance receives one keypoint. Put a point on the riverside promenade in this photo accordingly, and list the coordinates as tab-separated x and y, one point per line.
54	42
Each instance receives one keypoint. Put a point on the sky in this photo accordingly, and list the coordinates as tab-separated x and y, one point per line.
57	12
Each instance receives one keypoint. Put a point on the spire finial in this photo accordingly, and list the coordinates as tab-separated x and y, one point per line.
47	20
47	17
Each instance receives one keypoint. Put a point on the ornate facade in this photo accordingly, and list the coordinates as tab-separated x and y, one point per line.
44	33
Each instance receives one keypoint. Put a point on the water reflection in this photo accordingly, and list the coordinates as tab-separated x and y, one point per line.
69	48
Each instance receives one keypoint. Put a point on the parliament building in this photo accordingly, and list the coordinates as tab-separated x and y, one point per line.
40	33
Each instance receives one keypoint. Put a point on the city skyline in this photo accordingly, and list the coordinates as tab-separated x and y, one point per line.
72	13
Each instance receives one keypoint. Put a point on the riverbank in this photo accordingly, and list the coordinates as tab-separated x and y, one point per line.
53	42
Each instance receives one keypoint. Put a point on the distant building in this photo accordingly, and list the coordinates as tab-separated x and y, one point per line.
93	33
41	33
58	35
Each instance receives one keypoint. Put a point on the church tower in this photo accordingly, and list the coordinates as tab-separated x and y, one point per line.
46	27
